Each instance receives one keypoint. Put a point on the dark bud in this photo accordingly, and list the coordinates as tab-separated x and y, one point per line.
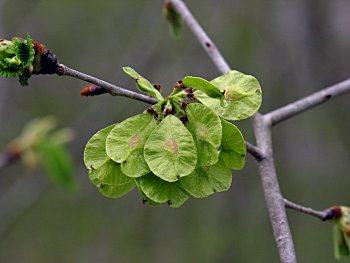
332	213
190	96
92	90
168	111
184	105
179	85
12	155
190	93
153	112
49	63
184	119
169	202
45	62
157	87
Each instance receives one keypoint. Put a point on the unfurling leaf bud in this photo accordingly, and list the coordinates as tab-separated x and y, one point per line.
23	57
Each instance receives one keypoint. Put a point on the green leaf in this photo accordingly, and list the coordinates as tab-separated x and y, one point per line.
57	164
23	79
205	126
341	248
145	199
110	180
242	97
24	50
95	150
143	84
161	191
205	181
170	151
233	148
132	73
203	85
174	20
126	141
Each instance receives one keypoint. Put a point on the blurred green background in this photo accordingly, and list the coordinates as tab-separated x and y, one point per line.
293	47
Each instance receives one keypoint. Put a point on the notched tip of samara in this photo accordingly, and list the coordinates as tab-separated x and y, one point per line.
92	90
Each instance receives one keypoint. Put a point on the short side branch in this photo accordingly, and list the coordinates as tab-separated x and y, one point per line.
112	89
323	215
308	102
200	34
254	151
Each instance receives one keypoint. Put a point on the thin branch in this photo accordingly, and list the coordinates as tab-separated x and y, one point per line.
323	215
201	35
111	88
254	151
308	102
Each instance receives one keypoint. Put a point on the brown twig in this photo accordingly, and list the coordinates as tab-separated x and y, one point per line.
323	215
308	102
111	88
201	36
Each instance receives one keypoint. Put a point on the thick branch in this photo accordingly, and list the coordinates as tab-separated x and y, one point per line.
308	102
323	215
112	89
202	37
272	192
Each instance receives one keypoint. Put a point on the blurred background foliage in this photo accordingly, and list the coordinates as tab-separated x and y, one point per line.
293	47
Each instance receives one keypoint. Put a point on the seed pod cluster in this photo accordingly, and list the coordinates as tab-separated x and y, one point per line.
166	159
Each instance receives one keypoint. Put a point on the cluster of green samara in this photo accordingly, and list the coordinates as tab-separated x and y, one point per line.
180	147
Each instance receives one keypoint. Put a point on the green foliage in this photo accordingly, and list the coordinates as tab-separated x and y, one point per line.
170	151
206	130
161	191
204	86
104	173
174	20
16	58
242	96
207	180
143	84
126	141
110	180
233	150
177	148
37	144
95	151
57	163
